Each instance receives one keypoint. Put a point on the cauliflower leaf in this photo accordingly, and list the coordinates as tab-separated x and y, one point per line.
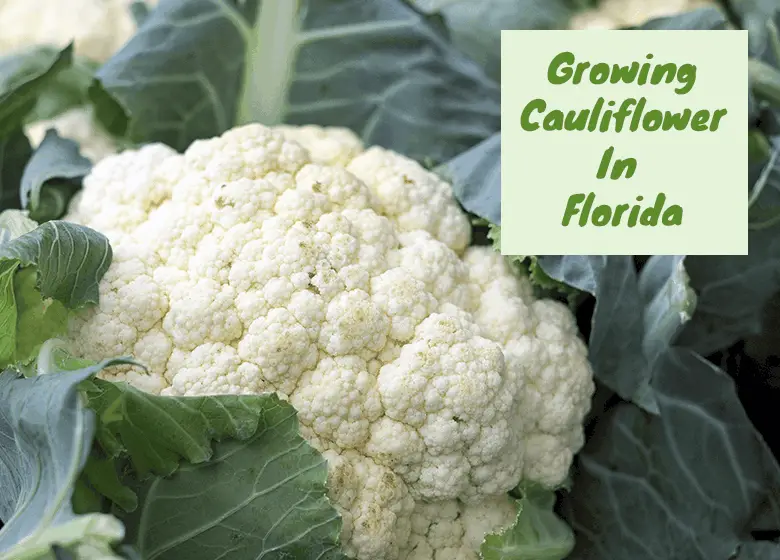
475	25
55	267
265	486
297	62
45	437
25	76
25	79
537	534
70	260
242	455
37	318
51	177
476	179
691	482
266	492
15	151
65	90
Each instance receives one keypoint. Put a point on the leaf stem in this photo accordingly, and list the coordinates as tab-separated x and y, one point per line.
269	62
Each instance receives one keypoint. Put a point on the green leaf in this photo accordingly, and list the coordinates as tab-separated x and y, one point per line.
544	285
293	61
56	266
70	260
183	91
45	437
549	287
8	313
13	223
133	419
100	478
757	16
733	290
37	319
24	77
687	483
732	293
15	151
52	176
475	176
264	486
475	25
66	90
537	534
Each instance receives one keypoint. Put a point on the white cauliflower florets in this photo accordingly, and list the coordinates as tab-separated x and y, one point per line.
451	530
612	14
425	370
97	28
77	124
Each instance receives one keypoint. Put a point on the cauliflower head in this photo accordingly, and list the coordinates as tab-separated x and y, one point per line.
295	260
78	124
612	14
98	28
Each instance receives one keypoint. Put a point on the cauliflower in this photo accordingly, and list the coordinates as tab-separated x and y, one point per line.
612	14
77	124
98	29
293	260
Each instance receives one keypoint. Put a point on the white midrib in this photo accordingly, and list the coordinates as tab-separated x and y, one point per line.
269	65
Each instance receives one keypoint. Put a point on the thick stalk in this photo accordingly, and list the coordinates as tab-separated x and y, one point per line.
269	63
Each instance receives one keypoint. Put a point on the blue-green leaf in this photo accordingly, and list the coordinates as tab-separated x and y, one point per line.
65	90
297	61
70	260
24	77
44	272
475	25
45	437
52	175
537	534
475	176
241	455
687	483
15	151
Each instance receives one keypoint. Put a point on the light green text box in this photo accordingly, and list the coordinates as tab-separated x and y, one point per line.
702	172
